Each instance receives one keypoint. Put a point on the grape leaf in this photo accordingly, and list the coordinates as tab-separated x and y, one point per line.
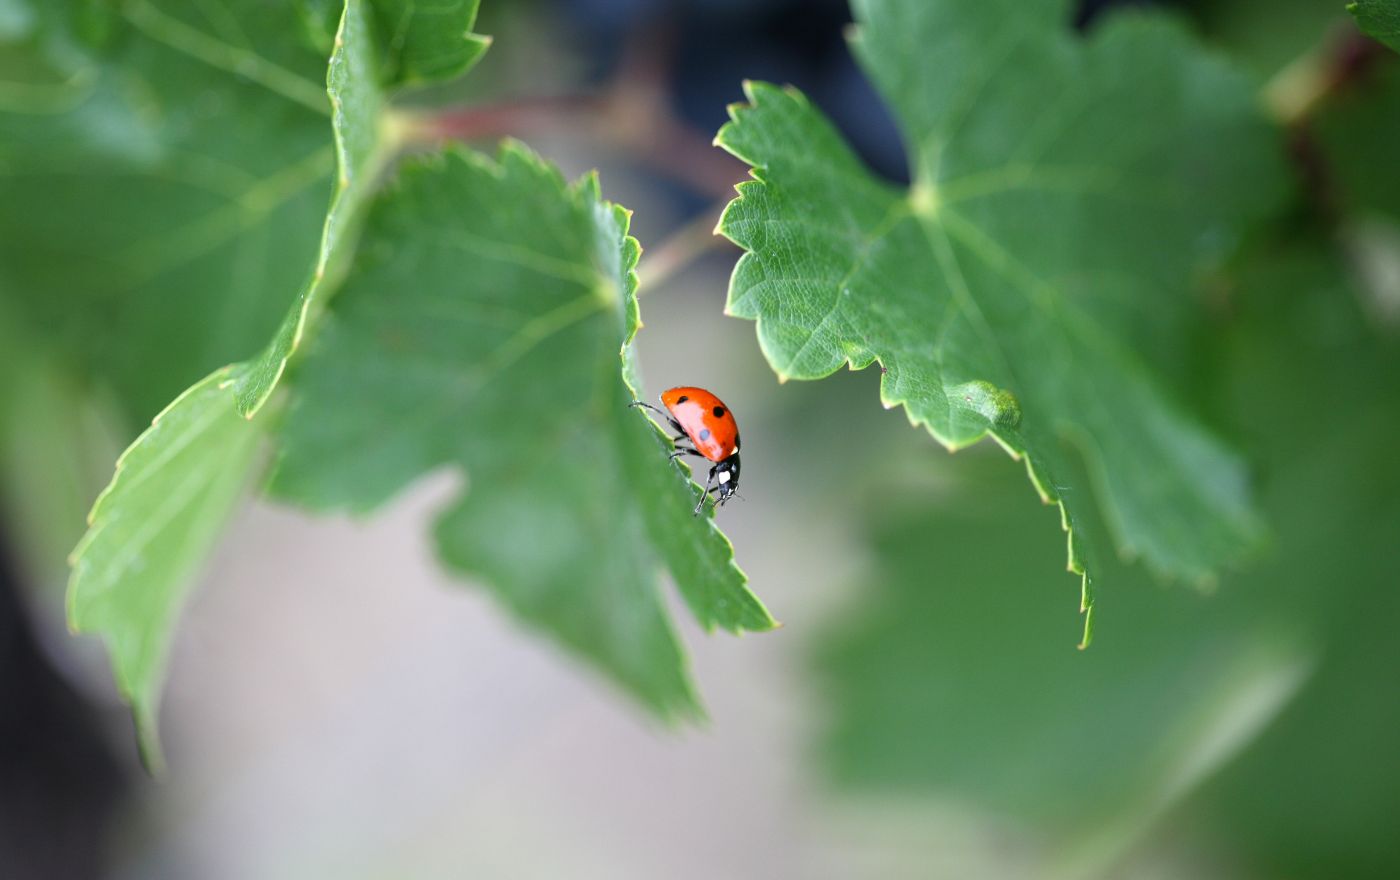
199	133
1359	132
165	181
178	482
356	107
1066	192
414	44
1380	19
481	328
1357	135
428	42
1083	747
419	43
149	531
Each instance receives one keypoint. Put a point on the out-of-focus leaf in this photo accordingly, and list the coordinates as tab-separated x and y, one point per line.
378	41
129	585
164	188
428	42
1066	194
1270	36
950	679
56	451
481	328
1359	132
422	42
1358	135
1380	19
1334	497
356	120
149	532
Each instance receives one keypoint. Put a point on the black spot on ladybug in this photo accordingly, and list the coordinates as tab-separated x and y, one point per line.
704	435
719	412
683	399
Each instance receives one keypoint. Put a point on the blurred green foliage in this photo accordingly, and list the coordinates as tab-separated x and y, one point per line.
199	144
953	675
1254	722
177	181
512	372
1066	194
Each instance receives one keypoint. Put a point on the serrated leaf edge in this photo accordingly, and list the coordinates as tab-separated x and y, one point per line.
753	91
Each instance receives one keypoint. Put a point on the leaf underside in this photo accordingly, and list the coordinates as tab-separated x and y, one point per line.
1380	19
149	532
200	219
483	327
1066	194
1082	746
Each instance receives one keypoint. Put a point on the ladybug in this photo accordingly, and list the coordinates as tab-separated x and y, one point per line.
704	420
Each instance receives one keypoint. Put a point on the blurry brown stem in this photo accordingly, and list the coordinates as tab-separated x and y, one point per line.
625	119
632	115
679	250
1296	91
510	118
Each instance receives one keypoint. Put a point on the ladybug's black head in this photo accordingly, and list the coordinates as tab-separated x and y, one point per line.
726	476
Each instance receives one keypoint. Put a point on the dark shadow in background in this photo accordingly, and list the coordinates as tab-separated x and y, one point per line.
60	784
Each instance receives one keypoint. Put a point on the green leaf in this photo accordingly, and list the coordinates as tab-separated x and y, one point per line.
192	141
1270	36
1213	717
130	590
1359	133
164	188
420	43
1026	286
960	687
361	151
1380	19
149	532
428	42
55	453
378	41
481	329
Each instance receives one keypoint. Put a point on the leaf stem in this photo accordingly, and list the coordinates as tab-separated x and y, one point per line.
631	114
1294	93
681	248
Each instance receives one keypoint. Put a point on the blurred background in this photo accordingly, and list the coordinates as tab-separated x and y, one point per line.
338	706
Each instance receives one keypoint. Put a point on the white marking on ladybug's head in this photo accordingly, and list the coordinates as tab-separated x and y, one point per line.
724	476
734	450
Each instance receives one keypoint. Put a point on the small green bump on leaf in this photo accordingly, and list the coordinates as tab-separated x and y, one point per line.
997	405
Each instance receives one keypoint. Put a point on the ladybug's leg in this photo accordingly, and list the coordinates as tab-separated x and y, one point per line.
687	451
705	495
680	432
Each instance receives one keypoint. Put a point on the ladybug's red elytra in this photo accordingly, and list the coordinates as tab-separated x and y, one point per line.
704	420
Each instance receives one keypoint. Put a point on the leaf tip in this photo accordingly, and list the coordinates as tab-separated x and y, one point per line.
148	739
1088	638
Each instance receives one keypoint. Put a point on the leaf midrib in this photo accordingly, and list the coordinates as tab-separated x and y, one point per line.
207	49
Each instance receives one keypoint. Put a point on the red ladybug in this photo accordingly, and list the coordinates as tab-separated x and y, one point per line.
704	420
